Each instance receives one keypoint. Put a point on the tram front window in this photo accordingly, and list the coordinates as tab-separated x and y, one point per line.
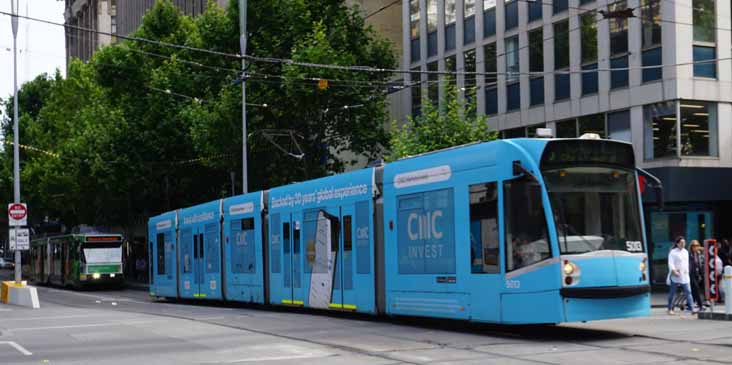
595	208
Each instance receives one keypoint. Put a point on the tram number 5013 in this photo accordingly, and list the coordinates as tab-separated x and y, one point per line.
634	246
513	284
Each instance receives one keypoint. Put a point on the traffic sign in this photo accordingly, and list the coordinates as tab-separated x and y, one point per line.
19	239
17	215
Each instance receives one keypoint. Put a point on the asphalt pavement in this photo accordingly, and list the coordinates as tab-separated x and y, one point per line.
128	327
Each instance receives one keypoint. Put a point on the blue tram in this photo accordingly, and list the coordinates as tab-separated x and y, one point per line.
511	231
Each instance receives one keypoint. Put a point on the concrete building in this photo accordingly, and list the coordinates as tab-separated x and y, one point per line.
118	17
549	65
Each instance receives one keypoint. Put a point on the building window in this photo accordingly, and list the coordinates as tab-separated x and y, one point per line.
469	21
660	130
416	92
484	228
512	59
513	91
469	80
489	18
698	128
559	6
514	133
536	64
618	47
491	92
535	9
704	38
619	78
513	96
431	28
583	2
592	124
588	35
491	100
618	126
652	57
451	69
414	29
566	129
704	64
589	79
561	60
651	40
433	83
704	21
450	17
511	9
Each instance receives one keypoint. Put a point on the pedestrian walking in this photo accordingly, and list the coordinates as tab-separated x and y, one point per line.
696	272
678	275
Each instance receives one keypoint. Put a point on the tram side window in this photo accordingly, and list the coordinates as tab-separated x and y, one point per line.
161	253
484	228
526	231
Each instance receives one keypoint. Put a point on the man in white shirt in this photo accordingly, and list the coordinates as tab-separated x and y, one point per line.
678	267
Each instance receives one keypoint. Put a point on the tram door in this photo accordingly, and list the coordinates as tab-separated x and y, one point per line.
292	260
344	296
188	282
162	257
210	261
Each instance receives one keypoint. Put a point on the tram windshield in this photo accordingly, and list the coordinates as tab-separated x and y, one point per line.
102	253
595	208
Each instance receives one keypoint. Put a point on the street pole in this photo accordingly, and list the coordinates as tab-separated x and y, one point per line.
16	158
243	46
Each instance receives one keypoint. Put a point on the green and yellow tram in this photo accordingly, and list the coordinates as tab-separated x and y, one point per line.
77	260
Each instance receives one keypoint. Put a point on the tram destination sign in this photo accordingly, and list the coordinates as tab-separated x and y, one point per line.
17	214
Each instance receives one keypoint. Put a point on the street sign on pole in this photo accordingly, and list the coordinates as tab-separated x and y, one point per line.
19	239
17	215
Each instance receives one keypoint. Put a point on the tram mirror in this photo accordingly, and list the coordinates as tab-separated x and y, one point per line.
655	183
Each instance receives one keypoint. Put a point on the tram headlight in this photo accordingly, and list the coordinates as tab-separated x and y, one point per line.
569	268
96	275
112	275
642	265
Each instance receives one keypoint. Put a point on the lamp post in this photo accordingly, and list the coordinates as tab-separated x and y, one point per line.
243	46
16	166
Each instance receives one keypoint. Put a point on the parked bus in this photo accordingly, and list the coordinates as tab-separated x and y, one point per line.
77	260
510	231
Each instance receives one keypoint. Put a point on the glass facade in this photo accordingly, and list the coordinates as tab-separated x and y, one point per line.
559	6
491	91
588	36
652	57
414	30
451	67
489	18
511	9
470	80
512	59
433	84
704	61
416	92
469	21
431	28
698	128
660	130
536	64
513	97
592	124
619	78
535	10
450	18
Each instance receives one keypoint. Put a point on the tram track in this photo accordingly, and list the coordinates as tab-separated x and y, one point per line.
541	334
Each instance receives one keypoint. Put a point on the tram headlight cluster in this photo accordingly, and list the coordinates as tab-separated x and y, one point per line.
570	273
96	275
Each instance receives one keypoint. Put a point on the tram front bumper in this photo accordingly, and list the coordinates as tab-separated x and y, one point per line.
587	304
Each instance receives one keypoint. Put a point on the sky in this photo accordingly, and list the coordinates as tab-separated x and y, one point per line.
41	47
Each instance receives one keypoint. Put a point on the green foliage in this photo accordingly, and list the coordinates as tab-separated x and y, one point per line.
143	128
437	128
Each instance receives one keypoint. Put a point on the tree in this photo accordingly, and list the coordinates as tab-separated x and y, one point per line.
437	128
143	128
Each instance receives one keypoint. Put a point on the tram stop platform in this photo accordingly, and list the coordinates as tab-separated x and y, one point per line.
20	294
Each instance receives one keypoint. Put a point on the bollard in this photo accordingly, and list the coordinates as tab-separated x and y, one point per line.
727	284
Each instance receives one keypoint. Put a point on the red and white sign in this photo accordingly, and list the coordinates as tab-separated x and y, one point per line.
17	215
